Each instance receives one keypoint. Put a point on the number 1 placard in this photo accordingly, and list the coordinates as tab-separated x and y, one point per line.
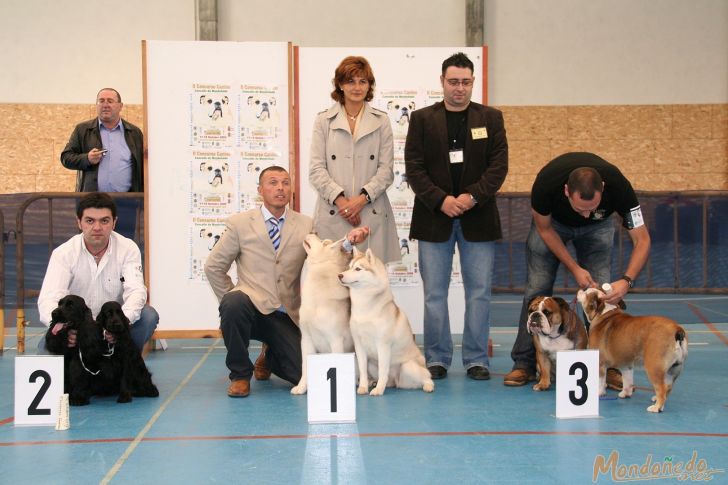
38	388
577	384
331	388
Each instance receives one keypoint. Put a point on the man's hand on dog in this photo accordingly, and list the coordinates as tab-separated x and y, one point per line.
619	290
584	279
109	337
72	334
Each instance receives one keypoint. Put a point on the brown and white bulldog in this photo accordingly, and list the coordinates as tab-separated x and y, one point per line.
623	341
554	327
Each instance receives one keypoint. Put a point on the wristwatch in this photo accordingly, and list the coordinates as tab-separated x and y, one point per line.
630	281
366	194
472	197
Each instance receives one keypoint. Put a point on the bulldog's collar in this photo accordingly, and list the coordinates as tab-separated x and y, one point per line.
559	334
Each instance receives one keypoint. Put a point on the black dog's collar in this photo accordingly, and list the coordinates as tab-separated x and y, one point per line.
561	332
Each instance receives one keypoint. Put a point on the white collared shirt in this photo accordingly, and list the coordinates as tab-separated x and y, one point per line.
73	271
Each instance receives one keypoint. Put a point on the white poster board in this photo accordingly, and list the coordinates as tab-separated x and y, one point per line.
403	75
217	114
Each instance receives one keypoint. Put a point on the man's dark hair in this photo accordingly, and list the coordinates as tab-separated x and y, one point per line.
118	96
586	181
96	200
272	168
458	60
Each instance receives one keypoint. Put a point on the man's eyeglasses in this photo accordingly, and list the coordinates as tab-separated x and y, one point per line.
466	83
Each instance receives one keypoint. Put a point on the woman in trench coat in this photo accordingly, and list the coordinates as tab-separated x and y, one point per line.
351	163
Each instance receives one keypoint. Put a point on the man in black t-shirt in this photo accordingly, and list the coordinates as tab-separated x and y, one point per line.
571	200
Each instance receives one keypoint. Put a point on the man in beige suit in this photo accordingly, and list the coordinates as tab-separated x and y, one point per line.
266	245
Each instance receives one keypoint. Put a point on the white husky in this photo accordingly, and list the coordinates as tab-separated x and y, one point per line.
383	338
325	306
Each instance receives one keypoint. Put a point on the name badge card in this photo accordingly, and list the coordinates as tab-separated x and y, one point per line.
38	389
577	384
479	133
456	156
331	388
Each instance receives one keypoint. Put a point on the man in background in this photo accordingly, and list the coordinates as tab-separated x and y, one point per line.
108	154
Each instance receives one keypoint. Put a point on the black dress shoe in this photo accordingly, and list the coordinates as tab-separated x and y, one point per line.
479	373
437	372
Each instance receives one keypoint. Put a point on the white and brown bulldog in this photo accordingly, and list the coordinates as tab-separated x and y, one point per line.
623	341
554	327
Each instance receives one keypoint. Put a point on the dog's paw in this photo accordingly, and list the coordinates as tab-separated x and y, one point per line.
654	409
298	390
541	387
428	386
377	391
362	390
625	394
124	397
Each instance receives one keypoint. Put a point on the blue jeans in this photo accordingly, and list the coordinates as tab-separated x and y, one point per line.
593	246
141	330
476	265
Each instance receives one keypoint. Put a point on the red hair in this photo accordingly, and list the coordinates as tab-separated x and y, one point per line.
348	69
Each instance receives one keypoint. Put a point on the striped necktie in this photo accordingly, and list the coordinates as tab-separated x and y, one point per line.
274	233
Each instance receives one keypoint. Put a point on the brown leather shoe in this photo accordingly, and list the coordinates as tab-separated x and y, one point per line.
261	371
614	379
239	388
518	377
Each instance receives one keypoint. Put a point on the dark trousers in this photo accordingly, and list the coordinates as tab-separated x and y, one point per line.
593	245
240	321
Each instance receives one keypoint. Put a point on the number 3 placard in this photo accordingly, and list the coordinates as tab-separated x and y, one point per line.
38	388
577	384
331	388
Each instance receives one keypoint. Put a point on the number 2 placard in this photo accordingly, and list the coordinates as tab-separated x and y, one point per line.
38	388
331	388
577	384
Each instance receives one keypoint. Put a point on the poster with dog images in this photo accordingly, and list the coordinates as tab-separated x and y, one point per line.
213	190
259	117
254	162
205	232
405	272
398	104
432	96
212	121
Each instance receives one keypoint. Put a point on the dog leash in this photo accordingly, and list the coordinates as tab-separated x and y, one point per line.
84	365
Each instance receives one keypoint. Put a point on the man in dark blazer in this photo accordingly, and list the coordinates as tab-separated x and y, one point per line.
456	158
107	151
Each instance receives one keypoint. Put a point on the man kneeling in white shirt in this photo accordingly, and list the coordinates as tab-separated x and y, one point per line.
98	265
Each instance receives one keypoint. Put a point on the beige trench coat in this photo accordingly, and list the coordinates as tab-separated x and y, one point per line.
340	163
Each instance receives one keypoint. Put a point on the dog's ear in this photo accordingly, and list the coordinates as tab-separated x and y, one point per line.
563	304
622	305
370	255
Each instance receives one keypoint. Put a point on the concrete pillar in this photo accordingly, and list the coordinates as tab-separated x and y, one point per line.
205	19
474	23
